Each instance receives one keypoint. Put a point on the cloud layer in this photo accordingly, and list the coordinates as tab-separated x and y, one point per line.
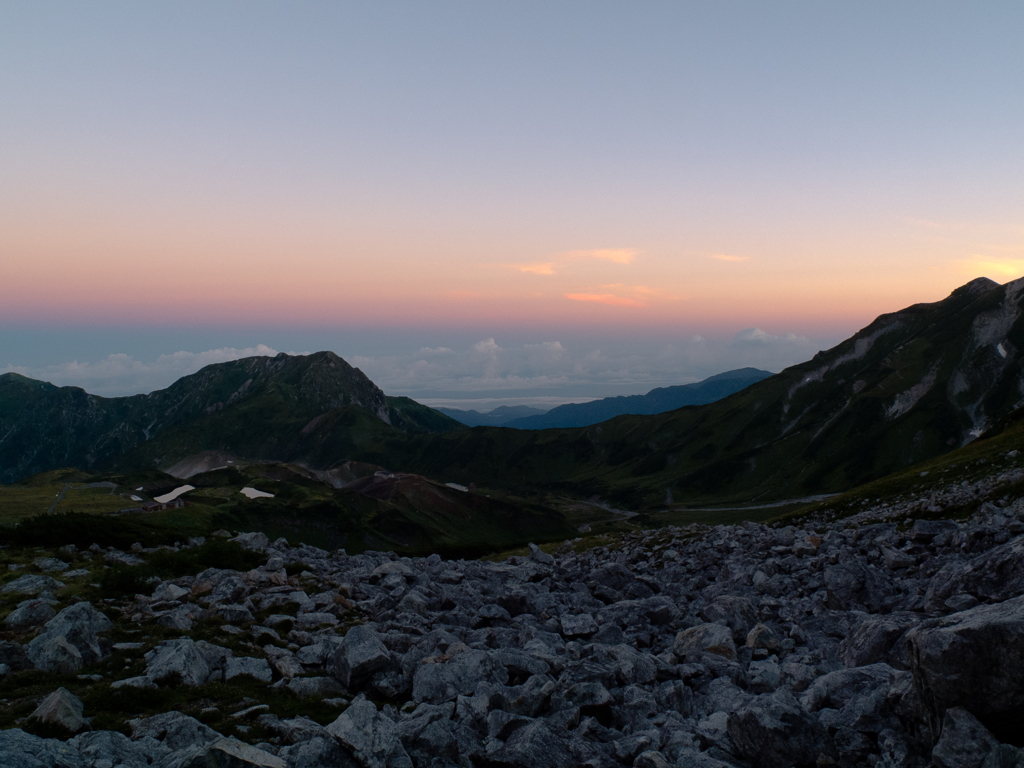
121	374
486	371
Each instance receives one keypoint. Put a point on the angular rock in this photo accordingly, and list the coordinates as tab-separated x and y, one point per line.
61	708
178	661
225	753
80	625
706	638
773	731
580	625
244	665
371	738
29	613
534	745
737	613
360	654
876	638
31	584
438	683
973	659
254	542
964	742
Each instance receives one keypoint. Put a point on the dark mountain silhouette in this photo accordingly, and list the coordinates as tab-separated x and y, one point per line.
656	401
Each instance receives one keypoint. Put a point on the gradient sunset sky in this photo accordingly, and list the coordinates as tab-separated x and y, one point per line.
494	201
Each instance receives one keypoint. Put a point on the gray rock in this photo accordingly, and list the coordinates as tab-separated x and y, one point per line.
61	708
923	531
438	683
80	625
877	638
534	745
177	660
837	688
773	731
762	636
314	687
580	625
31	584
765	676
55	654
95	747
964	742
23	750
1004	756
371	738
244	665
174	729
360	654
706	638
224	753
254	542
737	613
973	659
50	564
318	752
537	555
141	682
997	574
14	655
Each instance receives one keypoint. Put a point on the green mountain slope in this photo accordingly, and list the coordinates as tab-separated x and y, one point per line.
260	407
912	385
656	401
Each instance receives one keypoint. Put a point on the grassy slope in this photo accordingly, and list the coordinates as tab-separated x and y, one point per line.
415	515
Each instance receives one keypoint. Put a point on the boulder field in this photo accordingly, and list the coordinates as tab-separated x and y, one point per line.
852	642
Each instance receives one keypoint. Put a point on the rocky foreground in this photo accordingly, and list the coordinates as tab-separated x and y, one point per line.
842	643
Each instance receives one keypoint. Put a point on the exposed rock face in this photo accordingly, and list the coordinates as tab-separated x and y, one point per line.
724	647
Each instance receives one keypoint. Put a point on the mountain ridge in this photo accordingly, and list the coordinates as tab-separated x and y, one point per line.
658	400
45	427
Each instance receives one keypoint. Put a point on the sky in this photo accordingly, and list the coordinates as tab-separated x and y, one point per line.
568	199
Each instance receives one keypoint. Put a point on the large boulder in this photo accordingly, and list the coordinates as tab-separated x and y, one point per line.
773	731
997	574
876	639
534	745
70	639
737	613
23	750
964	742
31	584
178	661
29	613
62	709
175	730
441	682
972	659
857	586
371	738
360	654
707	638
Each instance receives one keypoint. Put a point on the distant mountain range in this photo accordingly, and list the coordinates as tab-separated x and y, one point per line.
656	401
294	407
910	386
499	417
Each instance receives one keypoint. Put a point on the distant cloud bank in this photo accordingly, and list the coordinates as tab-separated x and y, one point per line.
121	374
486	370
